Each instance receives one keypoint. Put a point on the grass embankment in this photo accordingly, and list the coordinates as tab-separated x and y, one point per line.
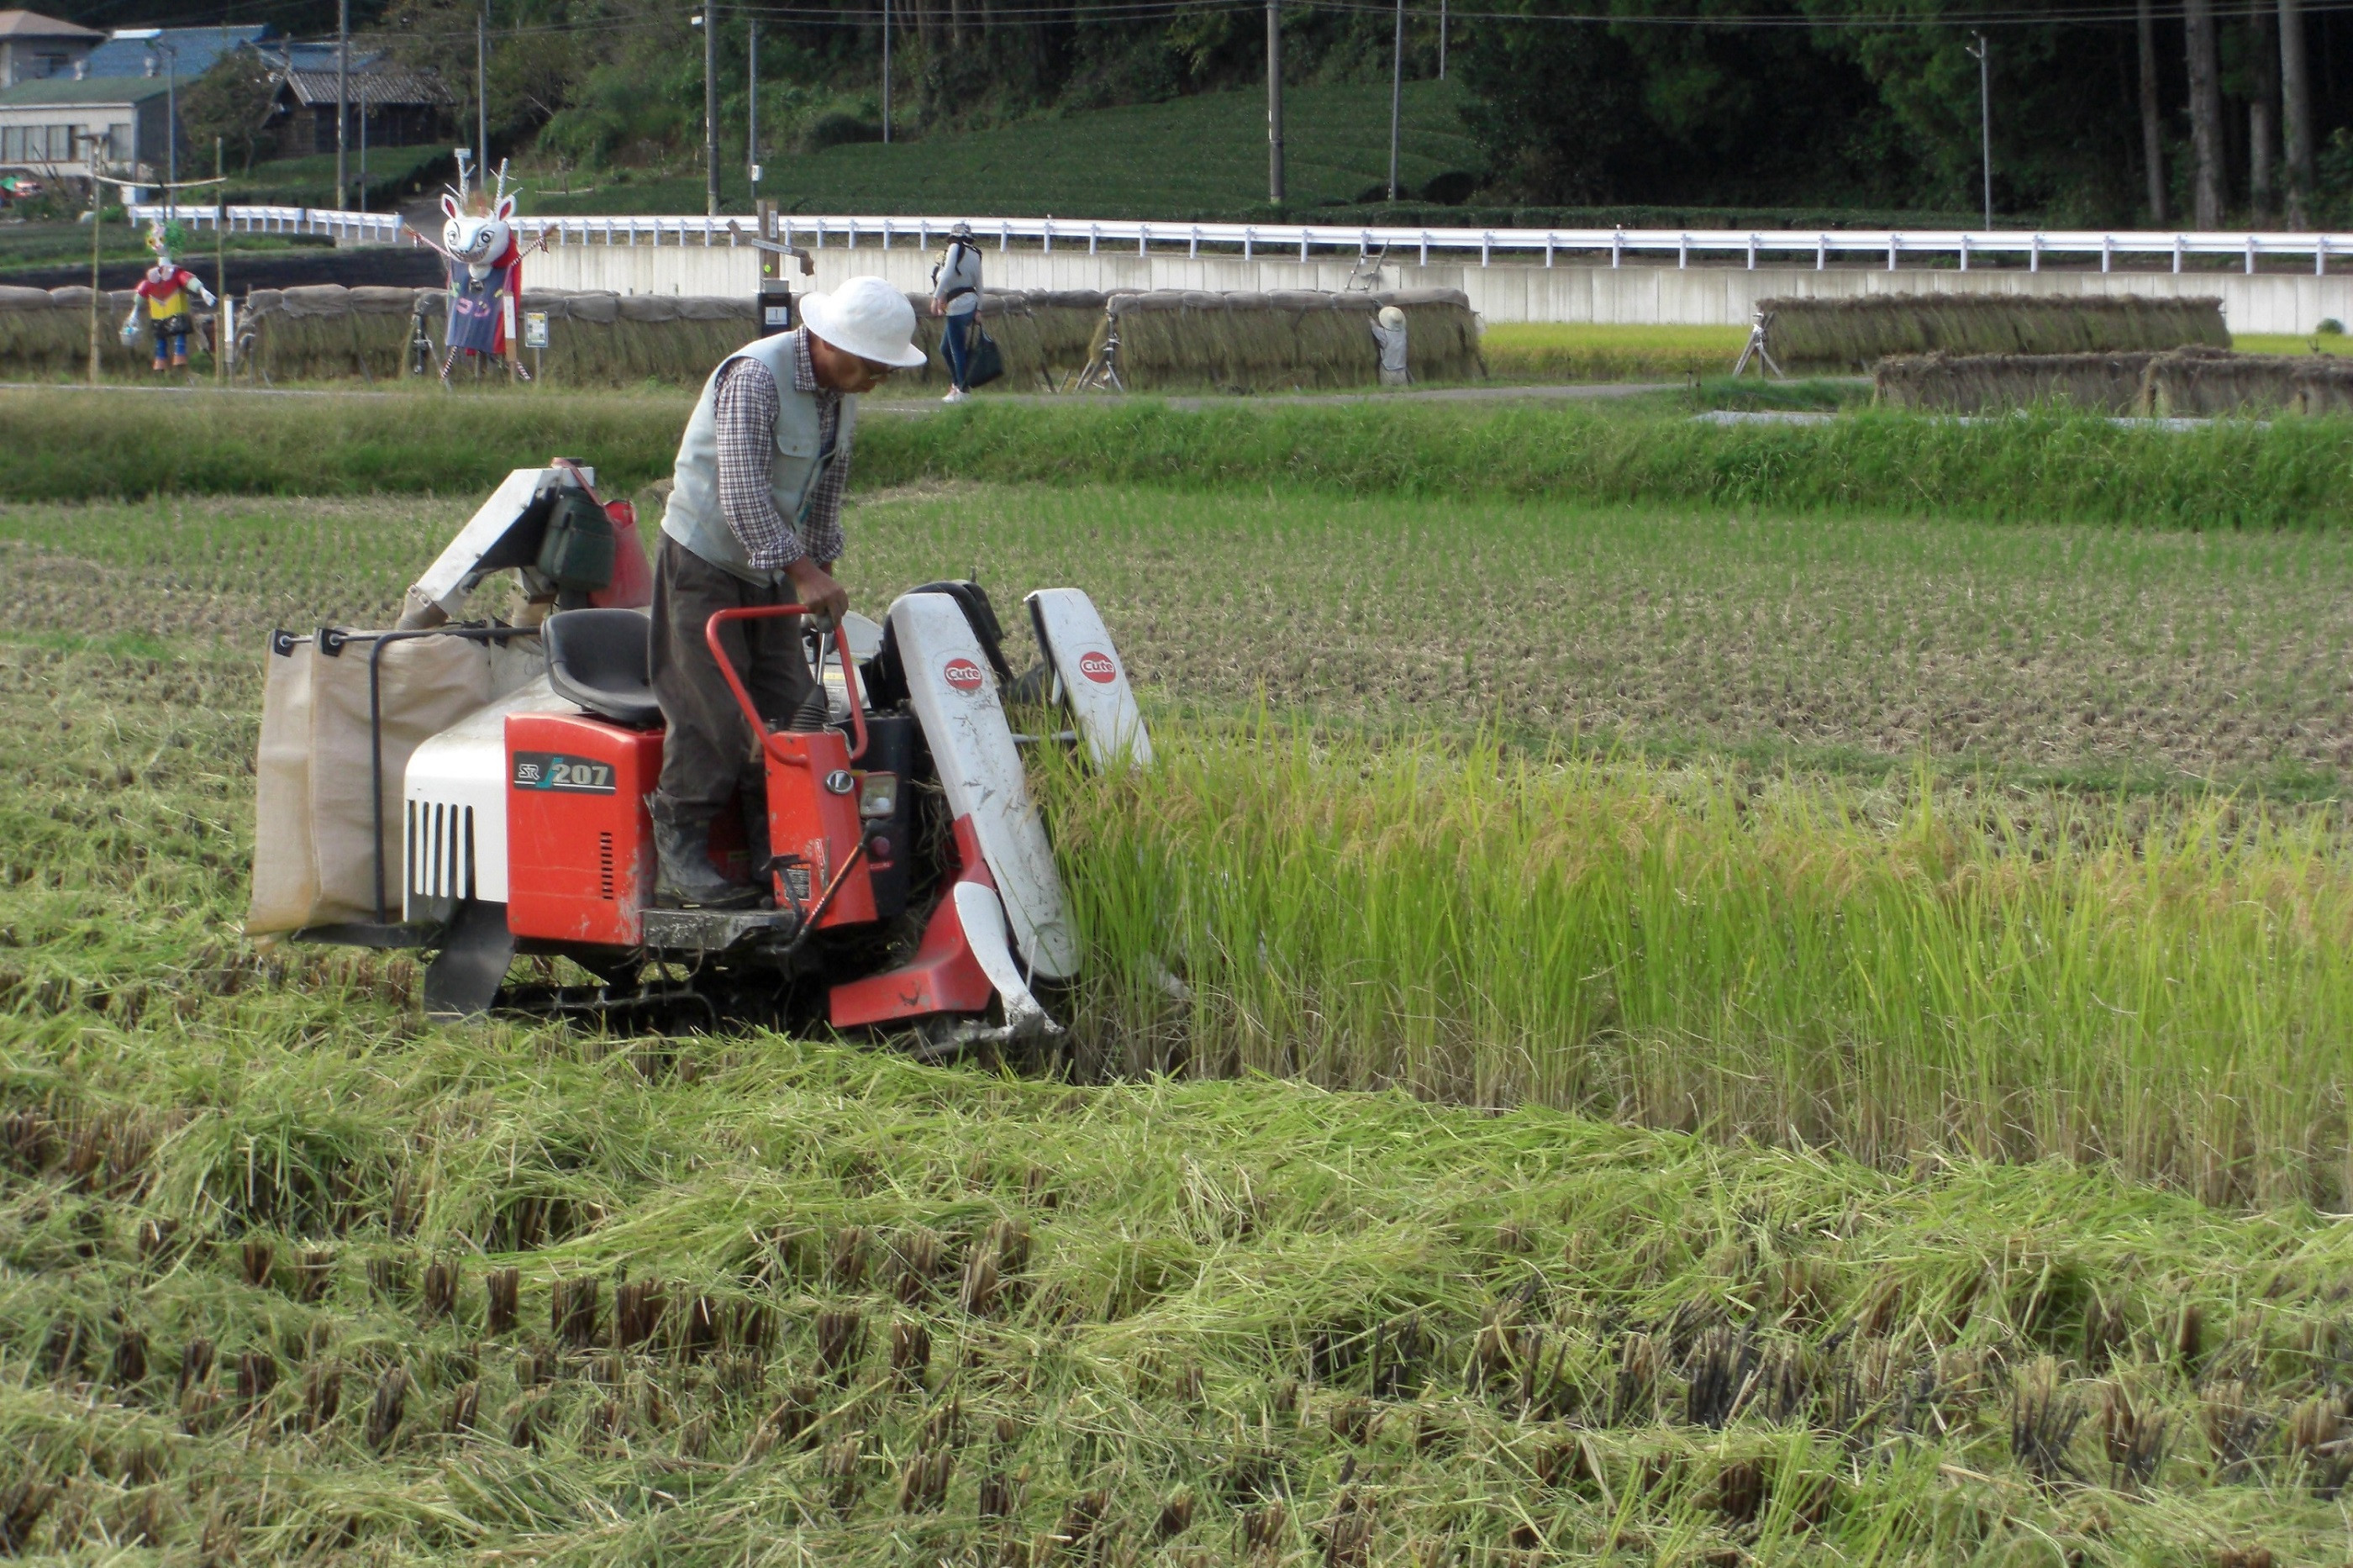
1202	156
2047	467
48	245
67	443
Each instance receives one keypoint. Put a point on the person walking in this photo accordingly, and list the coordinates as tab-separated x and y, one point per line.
755	518
956	297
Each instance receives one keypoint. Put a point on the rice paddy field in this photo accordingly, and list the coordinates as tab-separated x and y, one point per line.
1721	1025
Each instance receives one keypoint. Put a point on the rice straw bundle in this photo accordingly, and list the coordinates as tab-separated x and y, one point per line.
45	335
1977	383
1044	335
2184	382
1852	334
1184	339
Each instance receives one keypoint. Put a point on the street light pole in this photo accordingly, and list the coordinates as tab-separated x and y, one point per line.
751	104
1396	95
886	73
1985	123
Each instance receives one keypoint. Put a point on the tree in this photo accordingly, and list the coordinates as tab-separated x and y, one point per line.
2205	111
2263	102
232	100
2295	92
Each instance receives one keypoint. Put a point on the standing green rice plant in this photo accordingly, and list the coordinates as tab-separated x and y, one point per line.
1687	951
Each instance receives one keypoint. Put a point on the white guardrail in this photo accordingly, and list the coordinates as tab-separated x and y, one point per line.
1519	245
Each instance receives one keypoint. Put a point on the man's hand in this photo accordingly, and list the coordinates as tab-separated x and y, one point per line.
814	587
938	309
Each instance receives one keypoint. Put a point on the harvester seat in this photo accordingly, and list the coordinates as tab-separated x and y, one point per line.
602	660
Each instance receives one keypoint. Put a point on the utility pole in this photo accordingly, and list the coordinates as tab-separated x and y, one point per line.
751	104
1442	40
1396	95
342	96
97	214
2152	127
886	73
223	329
482	86
171	127
709	23
1274	102
1985	121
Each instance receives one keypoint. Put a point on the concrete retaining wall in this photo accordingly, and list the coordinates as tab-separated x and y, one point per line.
1695	296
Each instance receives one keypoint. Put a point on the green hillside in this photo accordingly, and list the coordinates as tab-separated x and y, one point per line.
1190	157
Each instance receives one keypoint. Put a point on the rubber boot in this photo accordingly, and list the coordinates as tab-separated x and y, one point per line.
687	878
753	804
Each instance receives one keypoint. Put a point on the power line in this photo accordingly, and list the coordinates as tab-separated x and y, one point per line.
1079	12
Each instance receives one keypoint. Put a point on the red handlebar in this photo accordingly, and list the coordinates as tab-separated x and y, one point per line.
743	698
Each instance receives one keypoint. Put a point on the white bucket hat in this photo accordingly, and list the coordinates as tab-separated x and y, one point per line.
869	318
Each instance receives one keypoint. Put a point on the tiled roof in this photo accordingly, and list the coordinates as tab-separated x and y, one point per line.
377	85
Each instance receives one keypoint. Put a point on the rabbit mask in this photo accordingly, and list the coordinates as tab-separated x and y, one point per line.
477	241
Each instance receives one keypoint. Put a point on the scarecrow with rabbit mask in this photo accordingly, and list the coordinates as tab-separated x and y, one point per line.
485	262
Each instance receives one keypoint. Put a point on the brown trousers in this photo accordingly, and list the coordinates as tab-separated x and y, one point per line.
710	752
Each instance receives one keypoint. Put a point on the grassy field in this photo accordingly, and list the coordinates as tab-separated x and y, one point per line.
1580	351
1882	1146
311	180
1203	156
2289	343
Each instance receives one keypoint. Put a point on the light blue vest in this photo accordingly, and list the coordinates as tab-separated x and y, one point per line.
693	517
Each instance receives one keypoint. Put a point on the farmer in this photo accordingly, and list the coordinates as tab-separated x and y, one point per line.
755	518
956	296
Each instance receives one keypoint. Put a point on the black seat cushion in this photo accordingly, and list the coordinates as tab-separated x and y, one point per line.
602	660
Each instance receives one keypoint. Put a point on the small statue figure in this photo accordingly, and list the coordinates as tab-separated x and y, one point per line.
164	293
1389	340
485	262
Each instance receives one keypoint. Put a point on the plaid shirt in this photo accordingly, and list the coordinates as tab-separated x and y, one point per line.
747	419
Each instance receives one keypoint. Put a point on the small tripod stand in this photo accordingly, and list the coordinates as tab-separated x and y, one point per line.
1756	349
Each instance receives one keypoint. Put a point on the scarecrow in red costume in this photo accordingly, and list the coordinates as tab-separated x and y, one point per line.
162	295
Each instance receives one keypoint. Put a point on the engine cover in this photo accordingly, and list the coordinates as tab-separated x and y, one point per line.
580	847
